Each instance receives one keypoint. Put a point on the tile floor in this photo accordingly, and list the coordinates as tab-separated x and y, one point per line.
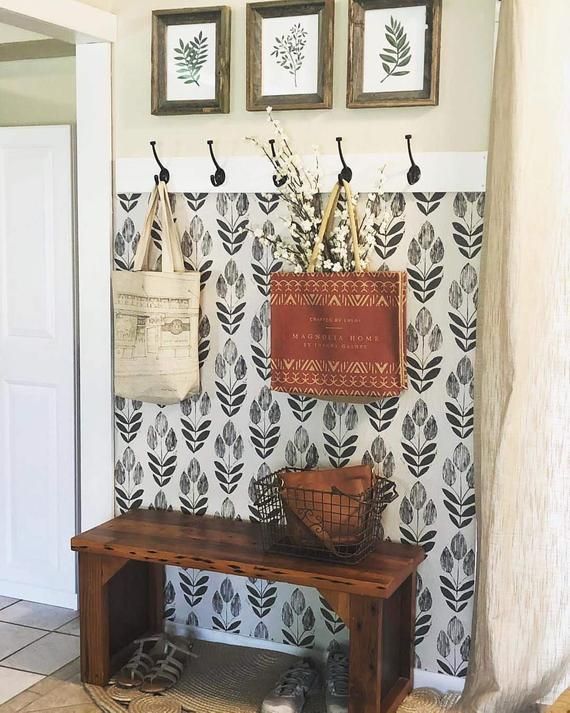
36	641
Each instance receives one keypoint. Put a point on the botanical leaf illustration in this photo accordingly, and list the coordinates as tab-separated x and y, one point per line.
427	203
397	54
190	58
261	342
454	648
233	226
299	621
302	406
459	497
391	232
418	515
193	488
382	413
128	478
339	421
194	585
227	607
469	209
228	464
128	418
129	201
424	340
231	386
332	620
423	606
425	255
264	416
457	582
261	595
289	49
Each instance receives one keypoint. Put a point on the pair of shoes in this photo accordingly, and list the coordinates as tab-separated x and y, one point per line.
294	685
291	689
156	665
336	688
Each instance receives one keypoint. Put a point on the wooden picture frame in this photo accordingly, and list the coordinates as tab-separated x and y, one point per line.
316	56
395	54
180	61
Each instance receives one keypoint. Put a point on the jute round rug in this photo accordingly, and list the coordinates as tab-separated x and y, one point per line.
234	679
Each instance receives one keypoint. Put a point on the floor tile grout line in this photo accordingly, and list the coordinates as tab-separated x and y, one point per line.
46	633
3	663
36	628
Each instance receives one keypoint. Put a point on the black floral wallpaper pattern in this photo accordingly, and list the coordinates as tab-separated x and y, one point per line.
203	456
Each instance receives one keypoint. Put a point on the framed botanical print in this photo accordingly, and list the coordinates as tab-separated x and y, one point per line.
393	53
290	54
191	61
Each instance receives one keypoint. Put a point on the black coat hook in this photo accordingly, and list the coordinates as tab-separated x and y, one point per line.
219	177
277	182
415	172
164	174
346	172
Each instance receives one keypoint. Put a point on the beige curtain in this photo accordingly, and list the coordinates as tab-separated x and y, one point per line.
521	647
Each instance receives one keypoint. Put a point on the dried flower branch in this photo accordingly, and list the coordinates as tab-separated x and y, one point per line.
301	193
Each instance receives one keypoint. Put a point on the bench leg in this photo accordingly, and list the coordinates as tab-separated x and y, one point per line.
365	677
119	600
382	650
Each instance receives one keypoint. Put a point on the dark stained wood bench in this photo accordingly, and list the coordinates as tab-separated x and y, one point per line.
121	589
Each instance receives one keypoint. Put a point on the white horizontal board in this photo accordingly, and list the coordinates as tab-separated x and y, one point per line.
253	174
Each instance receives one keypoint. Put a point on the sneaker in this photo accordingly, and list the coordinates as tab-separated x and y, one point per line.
336	687
291	689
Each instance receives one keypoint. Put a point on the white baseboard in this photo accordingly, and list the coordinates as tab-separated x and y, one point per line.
422	679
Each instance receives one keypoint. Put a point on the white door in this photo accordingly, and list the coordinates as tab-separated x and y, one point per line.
37	365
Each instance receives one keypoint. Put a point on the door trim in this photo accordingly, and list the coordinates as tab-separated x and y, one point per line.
93	31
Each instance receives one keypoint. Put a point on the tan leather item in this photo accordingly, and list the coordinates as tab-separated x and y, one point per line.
329	505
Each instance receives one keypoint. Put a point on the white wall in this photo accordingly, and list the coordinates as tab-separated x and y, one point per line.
459	123
37	91
8	33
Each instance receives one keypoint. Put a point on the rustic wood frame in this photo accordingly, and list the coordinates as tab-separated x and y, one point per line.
161	20
356	98
256	12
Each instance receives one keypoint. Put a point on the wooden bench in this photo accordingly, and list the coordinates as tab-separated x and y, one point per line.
121	589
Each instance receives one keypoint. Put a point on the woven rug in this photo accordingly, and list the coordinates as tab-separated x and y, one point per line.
235	679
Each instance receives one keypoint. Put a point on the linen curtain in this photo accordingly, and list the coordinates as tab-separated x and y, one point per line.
521	651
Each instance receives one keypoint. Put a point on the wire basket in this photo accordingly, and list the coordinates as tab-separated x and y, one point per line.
322	525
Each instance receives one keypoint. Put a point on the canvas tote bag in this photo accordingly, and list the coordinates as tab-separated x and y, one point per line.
339	335
156	318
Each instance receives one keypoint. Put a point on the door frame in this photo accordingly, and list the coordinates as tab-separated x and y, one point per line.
93	31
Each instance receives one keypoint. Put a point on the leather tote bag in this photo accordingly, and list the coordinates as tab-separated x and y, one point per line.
332	505
339	336
156	318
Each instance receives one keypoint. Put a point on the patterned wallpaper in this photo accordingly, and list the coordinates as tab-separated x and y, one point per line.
203	455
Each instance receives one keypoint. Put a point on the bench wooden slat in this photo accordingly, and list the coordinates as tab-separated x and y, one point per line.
232	547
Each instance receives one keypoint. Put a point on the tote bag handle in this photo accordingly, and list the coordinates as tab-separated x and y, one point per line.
172	258
326	225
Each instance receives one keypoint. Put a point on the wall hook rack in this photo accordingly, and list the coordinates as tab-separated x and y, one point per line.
219	177
277	182
164	174
414	174
346	172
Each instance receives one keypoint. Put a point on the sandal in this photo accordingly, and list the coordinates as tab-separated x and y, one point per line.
141	662
169	666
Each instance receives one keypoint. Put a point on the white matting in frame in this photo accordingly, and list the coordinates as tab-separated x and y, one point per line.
388	67
290	55
191	62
